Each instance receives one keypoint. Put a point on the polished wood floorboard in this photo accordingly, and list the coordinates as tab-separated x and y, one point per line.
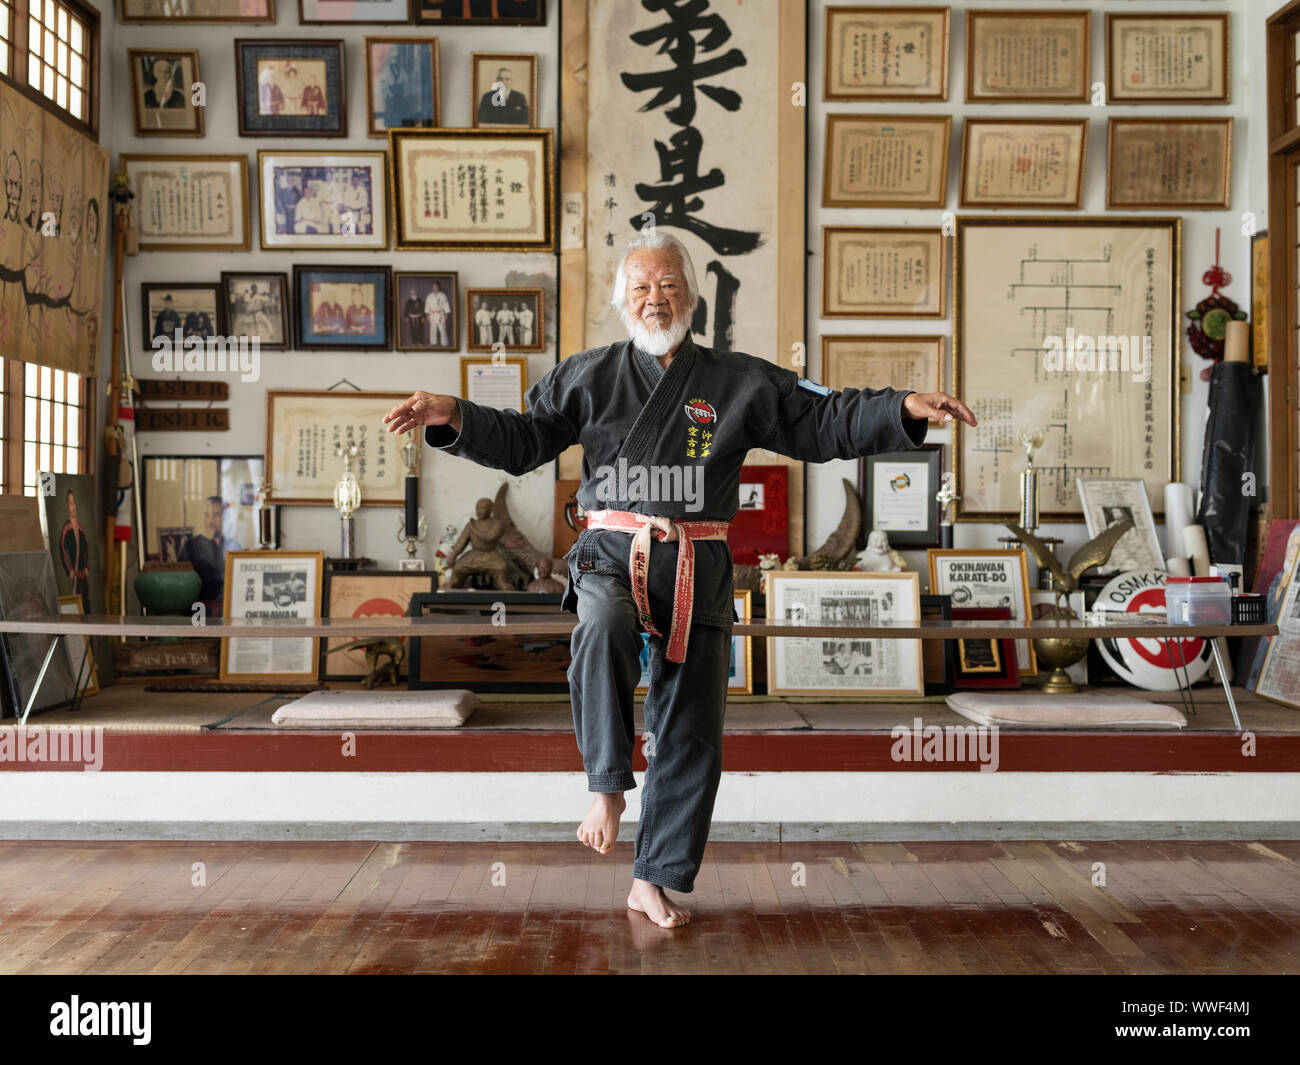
358	907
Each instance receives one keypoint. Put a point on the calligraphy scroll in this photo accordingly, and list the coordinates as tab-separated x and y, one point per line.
691	125
52	236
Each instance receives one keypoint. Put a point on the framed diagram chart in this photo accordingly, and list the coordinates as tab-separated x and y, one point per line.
1082	314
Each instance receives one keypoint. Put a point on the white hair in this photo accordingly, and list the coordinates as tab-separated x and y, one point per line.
656	240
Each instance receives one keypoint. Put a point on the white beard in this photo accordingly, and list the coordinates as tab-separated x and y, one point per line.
658	341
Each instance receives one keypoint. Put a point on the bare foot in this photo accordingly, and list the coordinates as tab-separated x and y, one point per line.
599	829
650	900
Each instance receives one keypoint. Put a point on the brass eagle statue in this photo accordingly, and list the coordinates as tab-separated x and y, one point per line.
1066	578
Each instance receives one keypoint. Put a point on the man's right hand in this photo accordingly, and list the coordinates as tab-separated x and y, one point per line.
423	408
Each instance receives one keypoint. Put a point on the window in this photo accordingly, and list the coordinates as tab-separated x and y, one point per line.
49	50
44	419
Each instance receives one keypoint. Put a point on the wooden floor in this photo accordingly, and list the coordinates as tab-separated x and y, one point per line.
108	908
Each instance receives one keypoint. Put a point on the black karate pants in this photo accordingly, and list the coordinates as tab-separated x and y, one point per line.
684	712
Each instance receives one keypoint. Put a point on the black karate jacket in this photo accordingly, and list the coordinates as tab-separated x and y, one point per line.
699	418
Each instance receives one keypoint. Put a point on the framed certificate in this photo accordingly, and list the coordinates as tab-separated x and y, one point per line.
898	495
1105	350
494	381
1167	59
509	208
303	429
986	578
886	161
271	584
190	202
908	363
1107	501
1027	56
1023	162
886	53
1169	163
882	272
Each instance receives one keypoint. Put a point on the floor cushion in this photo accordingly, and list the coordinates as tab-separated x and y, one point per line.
447	708
1080	710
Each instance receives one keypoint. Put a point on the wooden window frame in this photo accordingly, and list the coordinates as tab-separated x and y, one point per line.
17	76
15	425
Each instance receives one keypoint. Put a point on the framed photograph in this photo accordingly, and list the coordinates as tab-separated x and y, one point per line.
342	308
986	577
886	53
271	584
427	307
984	663
1259	301
938	662
194	308
1018	363
190	202
505	663
1169	163
323	199
886	160
161	82
365	594
843	665
371	12
1106	501
81	658
898	495
1042	603
402	84
196	11
908	363
1167	59
882	272
1023	162
303	431
27	590
291	88
511	317
503	88
494	382
511	208
480	12
196	508
1025	57
257	305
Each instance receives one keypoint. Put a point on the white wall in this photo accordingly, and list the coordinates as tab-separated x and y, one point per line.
1249	193
449	486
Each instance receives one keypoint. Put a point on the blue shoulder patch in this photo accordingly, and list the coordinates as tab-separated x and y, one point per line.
813	386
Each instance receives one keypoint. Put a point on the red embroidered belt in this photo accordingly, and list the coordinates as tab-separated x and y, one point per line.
646	526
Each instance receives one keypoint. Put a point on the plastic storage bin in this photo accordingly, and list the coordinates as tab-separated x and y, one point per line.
1198	601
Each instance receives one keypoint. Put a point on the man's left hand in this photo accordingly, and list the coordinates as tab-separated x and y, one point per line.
937	406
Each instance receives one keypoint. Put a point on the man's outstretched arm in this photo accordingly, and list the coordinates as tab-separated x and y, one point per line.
815	424
502	439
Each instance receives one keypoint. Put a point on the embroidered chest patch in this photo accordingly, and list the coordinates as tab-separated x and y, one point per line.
699	440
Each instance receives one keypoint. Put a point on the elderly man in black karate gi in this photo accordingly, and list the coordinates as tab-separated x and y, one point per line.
665	425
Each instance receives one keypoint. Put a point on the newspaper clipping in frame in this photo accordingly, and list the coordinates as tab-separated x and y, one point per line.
276	587
847	662
1279	679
